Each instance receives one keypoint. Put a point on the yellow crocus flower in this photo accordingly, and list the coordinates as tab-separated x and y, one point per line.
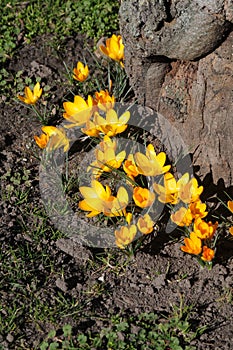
145	224
112	125
230	207
190	192
81	72
172	191
90	129
169	192
31	97
57	138
151	164
114	48
125	235
106	158
120	202
98	199
182	217
78	112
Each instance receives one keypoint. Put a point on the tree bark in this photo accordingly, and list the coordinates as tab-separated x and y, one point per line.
179	59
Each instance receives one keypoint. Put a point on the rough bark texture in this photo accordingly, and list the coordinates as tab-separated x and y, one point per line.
179	58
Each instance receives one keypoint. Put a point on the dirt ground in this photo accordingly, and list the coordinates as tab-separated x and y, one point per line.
159	277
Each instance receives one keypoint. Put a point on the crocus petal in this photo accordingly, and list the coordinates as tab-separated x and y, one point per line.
230	205
124	118
88	192
37	90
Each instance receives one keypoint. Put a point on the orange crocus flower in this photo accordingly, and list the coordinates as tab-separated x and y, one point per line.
104	101
207	254
192	244
41	140
230	205
204	230
130	167
52	138
81	72
143	197
198	209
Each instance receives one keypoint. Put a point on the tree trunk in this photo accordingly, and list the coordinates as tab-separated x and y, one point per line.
179	59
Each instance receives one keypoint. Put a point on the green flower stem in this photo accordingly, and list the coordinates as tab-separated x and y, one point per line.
41	118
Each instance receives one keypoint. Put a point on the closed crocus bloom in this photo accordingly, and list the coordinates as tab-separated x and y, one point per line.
125	235
52	138
198	209
42	140
207	254
230	205
114	48
190	192
182	217
128	218
151	164
31	97
78	112
145	224
143	197
231	230
204	230
81	72
112	125
130	167
104	101
192	244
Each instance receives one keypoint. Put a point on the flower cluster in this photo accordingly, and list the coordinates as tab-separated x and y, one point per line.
119	189
186	193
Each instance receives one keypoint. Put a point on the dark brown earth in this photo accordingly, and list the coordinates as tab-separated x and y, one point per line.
158	278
